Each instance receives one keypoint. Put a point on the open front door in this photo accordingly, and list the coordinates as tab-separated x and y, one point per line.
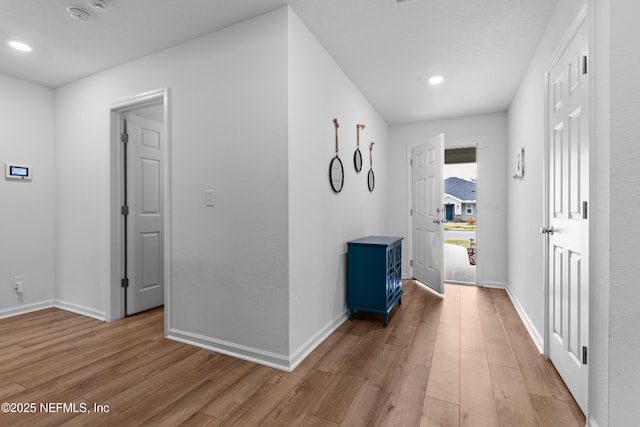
427	162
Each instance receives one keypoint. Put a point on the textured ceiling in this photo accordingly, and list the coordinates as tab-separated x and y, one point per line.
482	47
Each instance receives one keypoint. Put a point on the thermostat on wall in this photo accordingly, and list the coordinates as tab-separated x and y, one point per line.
17	171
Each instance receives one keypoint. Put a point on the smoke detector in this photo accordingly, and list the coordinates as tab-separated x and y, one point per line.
99	5
79	14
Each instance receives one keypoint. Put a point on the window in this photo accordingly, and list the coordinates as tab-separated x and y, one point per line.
469	209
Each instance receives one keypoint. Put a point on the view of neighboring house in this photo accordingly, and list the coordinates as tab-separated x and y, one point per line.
459	199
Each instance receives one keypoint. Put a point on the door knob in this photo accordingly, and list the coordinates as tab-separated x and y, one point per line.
547	230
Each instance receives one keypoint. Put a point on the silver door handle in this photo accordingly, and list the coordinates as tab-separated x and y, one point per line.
547	230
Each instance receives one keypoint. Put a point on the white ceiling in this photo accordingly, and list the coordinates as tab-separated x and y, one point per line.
482	47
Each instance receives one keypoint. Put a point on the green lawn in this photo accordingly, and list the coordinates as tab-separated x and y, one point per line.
459	242
459	226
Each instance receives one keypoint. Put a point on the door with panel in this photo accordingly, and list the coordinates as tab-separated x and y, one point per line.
568	223
145	240
427	163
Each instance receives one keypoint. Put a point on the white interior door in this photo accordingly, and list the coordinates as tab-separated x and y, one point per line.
568	241
145	250
427	163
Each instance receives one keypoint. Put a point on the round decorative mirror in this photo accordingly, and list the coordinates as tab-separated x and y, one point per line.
336	174
371	179
357	160
336	171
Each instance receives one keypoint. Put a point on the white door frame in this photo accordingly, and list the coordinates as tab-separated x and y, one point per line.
115	300
454	143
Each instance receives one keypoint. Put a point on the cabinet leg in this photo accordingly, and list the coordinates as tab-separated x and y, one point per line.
400	301
385	321
351	310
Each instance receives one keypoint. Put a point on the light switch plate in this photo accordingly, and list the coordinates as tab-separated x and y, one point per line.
209	198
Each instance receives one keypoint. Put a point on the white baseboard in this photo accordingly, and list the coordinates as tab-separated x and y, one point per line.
255	355
495	285
62	305
305	349
538	339
273	360
80	309
27	308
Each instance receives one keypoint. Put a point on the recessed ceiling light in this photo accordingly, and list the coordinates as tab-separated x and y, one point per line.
436	80
22	47
79	14
99	5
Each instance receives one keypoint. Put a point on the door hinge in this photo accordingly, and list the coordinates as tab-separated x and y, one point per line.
585	210
124	137
584	64
124	282
411	162
584	355
124	210
410	212
411	263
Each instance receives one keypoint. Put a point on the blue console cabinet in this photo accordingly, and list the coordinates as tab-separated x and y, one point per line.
374	275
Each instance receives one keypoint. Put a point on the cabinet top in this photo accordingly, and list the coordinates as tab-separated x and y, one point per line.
375	241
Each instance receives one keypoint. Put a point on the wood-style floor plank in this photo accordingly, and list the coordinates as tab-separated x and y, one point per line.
438	413
444	375
470	326
237	393
420	350
200	419
512	398
335	402
464	358
408	397
477	402
315	421
182	409
496	343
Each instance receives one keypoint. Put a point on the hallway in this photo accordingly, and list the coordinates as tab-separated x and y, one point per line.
464	359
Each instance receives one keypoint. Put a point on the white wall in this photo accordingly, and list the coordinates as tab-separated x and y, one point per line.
321	221
230	275
27	209
526	215
624	369
490	130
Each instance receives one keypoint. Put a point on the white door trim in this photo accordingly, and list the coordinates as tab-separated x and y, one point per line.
114	297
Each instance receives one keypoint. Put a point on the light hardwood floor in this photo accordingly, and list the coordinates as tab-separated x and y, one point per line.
461	360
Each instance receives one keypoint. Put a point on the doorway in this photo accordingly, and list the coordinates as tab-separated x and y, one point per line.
139	237
460	198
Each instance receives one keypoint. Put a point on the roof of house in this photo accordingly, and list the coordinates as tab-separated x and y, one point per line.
460	189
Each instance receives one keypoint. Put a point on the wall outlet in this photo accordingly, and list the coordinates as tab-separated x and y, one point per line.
18	284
